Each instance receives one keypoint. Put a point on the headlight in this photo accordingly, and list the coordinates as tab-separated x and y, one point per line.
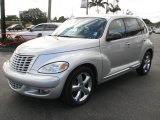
54	68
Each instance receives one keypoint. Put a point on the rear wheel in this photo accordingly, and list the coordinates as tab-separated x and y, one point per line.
79	86
145	65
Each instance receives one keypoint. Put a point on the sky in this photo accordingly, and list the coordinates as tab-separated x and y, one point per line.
144	8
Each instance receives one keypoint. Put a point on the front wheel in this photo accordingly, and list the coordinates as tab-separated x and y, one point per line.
145	65
79	86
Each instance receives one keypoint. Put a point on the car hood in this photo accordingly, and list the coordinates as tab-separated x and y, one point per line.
50	44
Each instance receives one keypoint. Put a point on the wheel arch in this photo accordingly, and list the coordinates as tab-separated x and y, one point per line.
89	65
151	51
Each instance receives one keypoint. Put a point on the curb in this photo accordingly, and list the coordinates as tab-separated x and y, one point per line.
5	49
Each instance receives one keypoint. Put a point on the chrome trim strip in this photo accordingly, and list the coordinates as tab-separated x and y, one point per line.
135	65
116	73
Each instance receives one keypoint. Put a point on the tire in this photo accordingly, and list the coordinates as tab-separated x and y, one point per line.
18	37
79	86
145	65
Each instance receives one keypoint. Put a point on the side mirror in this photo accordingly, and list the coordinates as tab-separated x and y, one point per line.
114	36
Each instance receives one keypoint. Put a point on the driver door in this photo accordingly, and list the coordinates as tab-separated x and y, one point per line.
115	50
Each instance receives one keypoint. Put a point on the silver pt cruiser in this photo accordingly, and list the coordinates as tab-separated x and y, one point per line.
81	53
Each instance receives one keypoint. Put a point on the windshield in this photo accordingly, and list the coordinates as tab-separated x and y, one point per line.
91	28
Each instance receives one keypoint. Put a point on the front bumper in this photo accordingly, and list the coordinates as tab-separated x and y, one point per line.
35	85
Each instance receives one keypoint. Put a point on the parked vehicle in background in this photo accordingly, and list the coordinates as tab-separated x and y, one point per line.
37	31
30	27
153	29
15	27
157	31
81	53
150	30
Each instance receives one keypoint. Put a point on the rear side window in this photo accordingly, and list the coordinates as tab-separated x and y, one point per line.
143	27
38	28
117	26
18	26
50	27
132	27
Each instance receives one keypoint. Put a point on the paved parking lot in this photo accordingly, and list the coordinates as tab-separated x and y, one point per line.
129	97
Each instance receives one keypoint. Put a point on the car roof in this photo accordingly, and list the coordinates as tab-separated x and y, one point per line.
109	16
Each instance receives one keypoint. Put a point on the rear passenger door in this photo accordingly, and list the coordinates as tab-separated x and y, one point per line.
37	31
135	38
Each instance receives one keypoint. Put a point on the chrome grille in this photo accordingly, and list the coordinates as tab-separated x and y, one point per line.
21	63
15	85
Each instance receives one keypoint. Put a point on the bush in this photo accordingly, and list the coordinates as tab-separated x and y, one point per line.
10	42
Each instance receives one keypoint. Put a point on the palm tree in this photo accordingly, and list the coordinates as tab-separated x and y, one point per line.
107	7
97	3
128	12
114	8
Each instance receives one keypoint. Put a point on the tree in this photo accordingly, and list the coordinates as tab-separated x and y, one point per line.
97	3
107	7
34	16
114	8
3	23
12	18
128	12
62	19
54	19
147	21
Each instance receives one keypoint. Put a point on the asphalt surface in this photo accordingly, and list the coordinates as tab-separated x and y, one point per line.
129	97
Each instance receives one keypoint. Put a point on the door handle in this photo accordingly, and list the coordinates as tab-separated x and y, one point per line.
127	43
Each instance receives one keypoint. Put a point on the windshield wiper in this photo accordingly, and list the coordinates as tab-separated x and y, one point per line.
63	36
66	36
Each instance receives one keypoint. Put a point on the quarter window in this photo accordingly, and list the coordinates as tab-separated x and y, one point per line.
132	27
143	27
38	28
50	27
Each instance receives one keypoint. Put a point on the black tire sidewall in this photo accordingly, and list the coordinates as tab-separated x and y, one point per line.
68	86
140	70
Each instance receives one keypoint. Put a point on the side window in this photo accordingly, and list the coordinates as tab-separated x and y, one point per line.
142	25
38	28
50	27
116	30
132	27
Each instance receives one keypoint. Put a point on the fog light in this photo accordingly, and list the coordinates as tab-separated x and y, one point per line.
43	92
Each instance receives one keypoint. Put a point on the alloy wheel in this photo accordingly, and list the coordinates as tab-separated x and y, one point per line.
81	87
147	63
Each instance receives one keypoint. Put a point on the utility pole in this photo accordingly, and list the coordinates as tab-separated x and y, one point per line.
87	8
3	23
49	10
20	17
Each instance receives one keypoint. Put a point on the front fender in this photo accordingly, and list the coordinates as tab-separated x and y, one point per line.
74	58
